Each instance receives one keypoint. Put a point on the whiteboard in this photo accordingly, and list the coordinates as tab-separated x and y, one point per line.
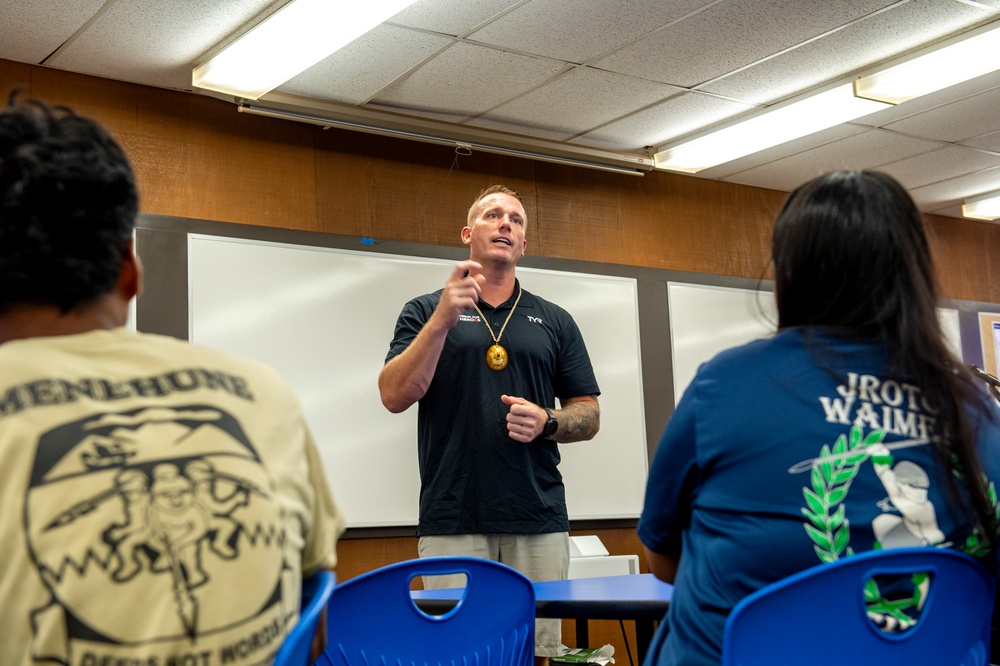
951	329
323	318
705	320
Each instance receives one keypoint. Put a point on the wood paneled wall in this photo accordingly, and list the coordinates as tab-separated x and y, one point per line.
196	157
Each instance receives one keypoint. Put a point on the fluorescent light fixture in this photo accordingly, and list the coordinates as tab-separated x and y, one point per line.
288	42
983	207
771	127
970	56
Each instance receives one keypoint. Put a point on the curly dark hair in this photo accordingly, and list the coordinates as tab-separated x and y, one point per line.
68	203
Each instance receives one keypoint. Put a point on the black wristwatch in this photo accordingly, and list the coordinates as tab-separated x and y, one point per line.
551	425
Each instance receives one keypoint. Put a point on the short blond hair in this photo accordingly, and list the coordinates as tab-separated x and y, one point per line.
485	192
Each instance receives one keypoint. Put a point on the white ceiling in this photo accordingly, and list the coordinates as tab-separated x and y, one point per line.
615	75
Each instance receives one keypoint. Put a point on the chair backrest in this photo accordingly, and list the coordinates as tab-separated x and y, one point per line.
316	593
373	618
819	616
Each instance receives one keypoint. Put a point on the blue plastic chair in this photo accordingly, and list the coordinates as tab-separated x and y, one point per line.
316	593
818	616
373	619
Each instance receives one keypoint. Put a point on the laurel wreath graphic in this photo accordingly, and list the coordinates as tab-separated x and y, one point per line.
831	478
975	544
895	615
829	528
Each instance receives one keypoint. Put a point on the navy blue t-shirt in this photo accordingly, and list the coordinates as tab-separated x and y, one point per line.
780	457
474	478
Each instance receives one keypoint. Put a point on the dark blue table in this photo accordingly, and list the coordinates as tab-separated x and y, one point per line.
640	598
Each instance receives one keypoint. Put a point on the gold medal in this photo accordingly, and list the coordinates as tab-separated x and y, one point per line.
496	357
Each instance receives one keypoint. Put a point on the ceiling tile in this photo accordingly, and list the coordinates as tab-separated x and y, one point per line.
728	36
32	29
174	36
361	69
861	45
955	190
451	17
986	142
454	82
574	103
967	118
865	150
938	165
577	31
663	122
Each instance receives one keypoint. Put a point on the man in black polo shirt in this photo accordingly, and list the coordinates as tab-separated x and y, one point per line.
486	361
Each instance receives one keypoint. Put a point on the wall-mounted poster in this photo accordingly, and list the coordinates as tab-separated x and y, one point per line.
989	334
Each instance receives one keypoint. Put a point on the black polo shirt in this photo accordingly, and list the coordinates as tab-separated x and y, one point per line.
474	478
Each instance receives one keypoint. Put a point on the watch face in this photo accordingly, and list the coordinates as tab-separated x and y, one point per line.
551	425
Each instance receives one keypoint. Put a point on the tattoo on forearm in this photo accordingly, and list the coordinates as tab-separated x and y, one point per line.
578	421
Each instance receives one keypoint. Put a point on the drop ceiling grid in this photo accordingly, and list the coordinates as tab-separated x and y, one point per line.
865	150
467	80
453	17
946	163
154	42
578	32
840	54
961	120
32	29
947	194
985	142
658	124
472	61
728	37
351	76
574	103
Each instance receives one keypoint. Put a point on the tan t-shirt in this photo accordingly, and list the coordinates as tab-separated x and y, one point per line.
159	502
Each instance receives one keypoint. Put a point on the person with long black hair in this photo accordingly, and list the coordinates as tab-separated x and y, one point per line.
854	427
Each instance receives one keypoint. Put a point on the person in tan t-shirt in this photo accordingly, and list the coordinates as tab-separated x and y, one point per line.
162	501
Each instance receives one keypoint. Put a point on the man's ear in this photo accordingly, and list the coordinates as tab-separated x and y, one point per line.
130	275
467	235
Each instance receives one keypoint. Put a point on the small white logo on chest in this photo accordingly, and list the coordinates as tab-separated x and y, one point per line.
535	320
